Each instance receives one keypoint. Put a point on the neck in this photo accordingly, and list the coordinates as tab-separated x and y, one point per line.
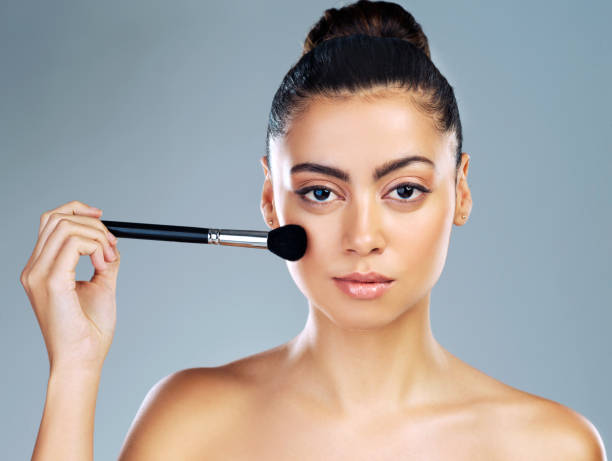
396	365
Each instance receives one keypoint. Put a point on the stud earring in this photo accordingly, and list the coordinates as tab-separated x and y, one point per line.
464	216
271	221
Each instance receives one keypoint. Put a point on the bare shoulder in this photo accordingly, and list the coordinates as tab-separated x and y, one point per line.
520	425
569	435
532	427
184	412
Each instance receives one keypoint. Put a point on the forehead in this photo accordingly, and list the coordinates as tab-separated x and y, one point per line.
358	134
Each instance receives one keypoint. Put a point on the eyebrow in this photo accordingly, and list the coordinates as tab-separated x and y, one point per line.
379	172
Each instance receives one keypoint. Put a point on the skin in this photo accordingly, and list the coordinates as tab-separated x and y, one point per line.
364	379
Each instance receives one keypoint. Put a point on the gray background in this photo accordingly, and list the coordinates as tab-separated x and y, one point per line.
156	112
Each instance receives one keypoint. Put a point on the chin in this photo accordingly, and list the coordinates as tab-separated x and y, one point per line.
358	318
356	314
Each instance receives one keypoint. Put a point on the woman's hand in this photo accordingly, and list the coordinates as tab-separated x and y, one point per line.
77	318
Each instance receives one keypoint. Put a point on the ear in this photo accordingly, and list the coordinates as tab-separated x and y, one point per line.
463	203
267	196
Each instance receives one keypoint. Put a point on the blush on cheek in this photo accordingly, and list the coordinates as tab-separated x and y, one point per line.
433	245
423	243
311	272
307	276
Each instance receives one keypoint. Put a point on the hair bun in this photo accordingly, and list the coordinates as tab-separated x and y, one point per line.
379	19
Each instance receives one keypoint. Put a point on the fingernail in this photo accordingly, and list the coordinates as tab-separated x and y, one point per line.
111	237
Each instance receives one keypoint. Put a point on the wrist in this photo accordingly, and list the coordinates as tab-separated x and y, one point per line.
72	372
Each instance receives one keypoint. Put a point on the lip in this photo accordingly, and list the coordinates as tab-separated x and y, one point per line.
364	286
365	277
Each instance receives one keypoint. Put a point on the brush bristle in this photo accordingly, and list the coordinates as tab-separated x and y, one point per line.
288	242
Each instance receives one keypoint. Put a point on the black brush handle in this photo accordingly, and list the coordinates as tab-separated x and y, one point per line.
147	231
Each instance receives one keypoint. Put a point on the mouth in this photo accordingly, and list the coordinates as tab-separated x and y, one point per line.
369	277
363	289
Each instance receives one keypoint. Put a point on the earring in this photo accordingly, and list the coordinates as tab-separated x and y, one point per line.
271	221
464	216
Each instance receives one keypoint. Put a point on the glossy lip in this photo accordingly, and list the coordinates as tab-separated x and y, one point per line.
365	277
363	290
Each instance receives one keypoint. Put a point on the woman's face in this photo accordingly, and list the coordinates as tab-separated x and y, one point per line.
368	220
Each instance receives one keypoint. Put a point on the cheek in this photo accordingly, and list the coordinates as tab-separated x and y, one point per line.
322	231
312	270
318	263
423	244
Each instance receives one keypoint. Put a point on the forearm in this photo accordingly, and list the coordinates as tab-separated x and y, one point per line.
67	426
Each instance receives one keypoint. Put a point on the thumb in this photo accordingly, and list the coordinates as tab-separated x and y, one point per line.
108	276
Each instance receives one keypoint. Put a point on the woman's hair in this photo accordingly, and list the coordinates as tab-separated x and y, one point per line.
366	49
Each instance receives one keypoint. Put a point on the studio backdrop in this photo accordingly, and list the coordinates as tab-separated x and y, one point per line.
157	111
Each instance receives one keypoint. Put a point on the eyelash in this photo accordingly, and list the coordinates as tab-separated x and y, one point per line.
302	192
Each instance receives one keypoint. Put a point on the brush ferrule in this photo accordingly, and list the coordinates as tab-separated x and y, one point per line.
236	237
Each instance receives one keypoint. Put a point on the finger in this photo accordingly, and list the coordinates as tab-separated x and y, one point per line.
108	276
87	220
94	223
73	208
61	273
62	232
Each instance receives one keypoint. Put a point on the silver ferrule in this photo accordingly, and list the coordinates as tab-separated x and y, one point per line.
239	238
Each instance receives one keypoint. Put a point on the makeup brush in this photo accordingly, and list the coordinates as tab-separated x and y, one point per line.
288	242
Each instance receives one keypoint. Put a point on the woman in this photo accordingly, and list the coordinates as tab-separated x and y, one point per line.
364	151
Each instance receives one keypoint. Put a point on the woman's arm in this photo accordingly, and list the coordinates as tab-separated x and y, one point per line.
67	427
77	320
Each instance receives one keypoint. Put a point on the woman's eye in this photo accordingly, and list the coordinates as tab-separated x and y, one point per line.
320	194
406	192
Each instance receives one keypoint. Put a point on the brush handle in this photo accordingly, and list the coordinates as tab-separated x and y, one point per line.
190	234
146	231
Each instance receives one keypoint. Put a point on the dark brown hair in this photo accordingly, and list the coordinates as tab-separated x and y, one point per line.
365	49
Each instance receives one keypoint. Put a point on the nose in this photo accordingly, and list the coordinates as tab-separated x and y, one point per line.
363	228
